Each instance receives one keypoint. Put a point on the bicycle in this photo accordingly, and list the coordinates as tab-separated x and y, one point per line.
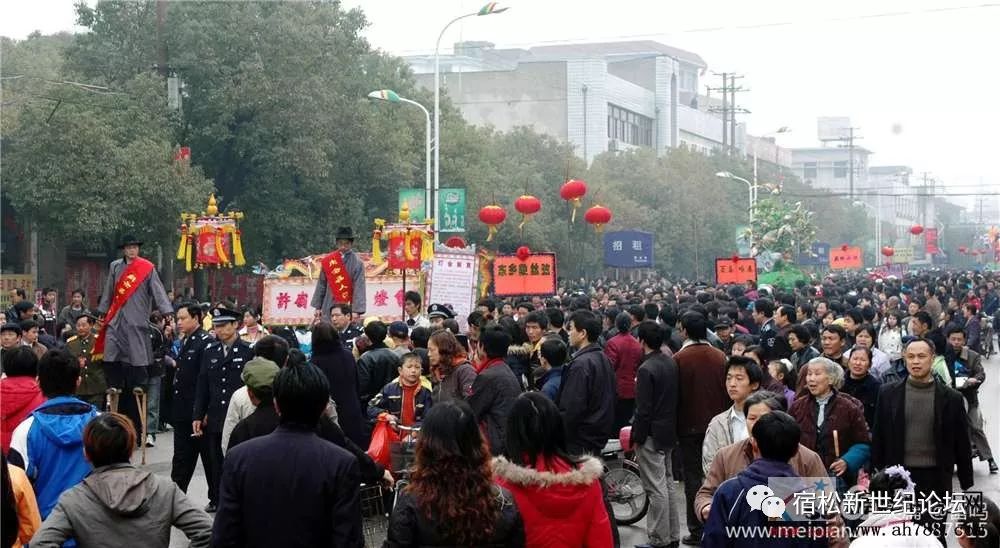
622	479
402	454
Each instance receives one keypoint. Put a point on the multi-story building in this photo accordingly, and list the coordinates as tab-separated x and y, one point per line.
598	97
829	167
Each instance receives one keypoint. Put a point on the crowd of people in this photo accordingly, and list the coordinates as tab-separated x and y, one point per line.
869	382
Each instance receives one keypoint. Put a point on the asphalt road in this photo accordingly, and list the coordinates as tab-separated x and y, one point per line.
158	460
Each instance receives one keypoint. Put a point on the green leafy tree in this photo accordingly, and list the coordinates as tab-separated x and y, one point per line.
85	164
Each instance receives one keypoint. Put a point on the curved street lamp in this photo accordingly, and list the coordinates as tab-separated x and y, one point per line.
488	9
392	97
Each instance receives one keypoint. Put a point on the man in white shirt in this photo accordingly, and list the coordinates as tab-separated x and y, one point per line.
743	377
411	305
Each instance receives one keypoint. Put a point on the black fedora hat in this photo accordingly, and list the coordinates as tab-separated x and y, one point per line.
345	233
129	240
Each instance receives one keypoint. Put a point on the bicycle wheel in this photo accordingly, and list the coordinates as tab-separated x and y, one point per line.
628	499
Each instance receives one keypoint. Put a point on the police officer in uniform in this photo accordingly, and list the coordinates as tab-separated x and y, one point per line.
187	447
221	375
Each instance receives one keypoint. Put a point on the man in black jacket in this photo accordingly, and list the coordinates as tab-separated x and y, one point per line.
654	434
967	374
291	476
921	423
378	365
587	395
495	387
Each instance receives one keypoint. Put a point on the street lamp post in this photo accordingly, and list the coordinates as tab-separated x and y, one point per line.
393	97
782	129
751	187
878	225
488	9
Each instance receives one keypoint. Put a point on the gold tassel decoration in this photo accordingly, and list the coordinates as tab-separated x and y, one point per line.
407	251
182	247
493	231
426	247
220	251
377	247
189	252
576	206
238	247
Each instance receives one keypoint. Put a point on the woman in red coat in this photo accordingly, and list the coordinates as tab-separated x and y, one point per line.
559	496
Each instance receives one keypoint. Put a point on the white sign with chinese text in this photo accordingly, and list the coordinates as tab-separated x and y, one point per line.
453	284
286	301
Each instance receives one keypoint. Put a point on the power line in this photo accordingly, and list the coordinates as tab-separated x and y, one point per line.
700	30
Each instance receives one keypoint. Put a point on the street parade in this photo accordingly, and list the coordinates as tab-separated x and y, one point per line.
240	308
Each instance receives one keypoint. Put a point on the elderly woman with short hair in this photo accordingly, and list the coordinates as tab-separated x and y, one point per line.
833	423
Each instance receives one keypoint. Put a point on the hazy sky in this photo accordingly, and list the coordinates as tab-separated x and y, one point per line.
918	77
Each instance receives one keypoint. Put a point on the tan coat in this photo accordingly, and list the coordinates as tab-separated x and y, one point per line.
733	459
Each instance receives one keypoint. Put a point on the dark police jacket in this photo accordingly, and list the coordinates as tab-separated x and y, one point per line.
220	376
186	376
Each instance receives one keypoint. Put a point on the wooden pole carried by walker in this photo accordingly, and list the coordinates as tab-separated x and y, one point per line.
140	403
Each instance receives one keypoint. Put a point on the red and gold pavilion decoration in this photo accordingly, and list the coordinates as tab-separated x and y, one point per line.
410	243
211	239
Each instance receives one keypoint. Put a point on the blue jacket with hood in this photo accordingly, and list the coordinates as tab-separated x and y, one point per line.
54	460
730	509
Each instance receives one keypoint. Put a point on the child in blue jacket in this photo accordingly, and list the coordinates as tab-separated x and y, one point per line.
405	399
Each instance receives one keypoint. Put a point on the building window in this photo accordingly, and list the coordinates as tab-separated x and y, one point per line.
689	80
809	170
839	170
629	127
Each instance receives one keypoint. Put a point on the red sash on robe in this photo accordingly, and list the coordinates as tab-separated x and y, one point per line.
337	277
132	277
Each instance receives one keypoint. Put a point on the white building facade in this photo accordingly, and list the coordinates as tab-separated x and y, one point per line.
598	97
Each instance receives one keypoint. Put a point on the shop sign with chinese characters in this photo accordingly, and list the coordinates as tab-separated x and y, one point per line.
735	271
534	276
842	259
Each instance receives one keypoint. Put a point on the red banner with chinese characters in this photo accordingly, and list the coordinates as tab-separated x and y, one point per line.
397	255
931	241
841	259
534	276
740	271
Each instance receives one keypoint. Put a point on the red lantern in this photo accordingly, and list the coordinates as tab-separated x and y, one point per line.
491	216
527	206
843	247
598	216
455	242
963	250
571	191
888	251
523	253
916	230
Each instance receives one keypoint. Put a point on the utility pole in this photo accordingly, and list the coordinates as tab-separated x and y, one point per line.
850	161
729	110
732	111
851	137
725	112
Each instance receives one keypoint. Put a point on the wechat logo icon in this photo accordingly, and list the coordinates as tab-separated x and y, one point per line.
761	497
